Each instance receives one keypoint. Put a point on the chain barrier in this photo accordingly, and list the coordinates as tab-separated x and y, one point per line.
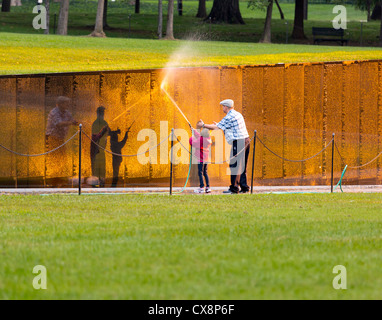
195	157
361	166
40	154
303	160
339	153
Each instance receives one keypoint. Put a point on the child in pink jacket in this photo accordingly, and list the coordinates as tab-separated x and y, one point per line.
201	143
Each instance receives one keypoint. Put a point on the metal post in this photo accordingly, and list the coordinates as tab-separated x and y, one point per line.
253	160
171	159
79	159
332	178
28	170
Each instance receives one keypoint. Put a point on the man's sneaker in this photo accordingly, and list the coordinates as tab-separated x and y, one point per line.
244	191
229	191
208	190
199	190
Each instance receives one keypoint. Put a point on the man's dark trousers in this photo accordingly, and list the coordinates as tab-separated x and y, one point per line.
239	174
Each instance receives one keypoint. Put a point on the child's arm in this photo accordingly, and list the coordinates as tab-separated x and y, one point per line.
195	140
123	142
196	134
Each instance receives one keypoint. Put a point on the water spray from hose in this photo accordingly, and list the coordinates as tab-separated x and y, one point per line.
130	107
175	104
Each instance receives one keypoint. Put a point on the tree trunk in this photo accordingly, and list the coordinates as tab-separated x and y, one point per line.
280	10
160	19
137	6
376	14
267	35
368	9
62	27
170	21
305	9
298	27
226	11
105	25
98	29
6	6
202	11
47	6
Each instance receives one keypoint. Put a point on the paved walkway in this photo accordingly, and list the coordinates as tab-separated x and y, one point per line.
216	190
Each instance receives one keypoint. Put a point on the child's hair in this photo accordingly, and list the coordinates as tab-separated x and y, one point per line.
205	133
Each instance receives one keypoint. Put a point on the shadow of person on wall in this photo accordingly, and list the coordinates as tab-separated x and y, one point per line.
116	147
100	128
58	162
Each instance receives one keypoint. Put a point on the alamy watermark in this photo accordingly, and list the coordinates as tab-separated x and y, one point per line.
222	153
340	281
40	21
340	20
40	281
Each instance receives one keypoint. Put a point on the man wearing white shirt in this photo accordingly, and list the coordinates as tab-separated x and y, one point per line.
236	134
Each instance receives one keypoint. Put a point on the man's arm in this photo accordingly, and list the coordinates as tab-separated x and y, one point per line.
97	136
213	126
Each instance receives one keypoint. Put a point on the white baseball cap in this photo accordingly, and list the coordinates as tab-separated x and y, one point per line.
227	102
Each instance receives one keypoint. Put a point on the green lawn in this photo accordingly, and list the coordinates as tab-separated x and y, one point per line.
26	53
191	247
132	44
183	247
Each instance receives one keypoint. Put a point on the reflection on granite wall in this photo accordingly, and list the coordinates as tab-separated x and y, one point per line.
294	108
